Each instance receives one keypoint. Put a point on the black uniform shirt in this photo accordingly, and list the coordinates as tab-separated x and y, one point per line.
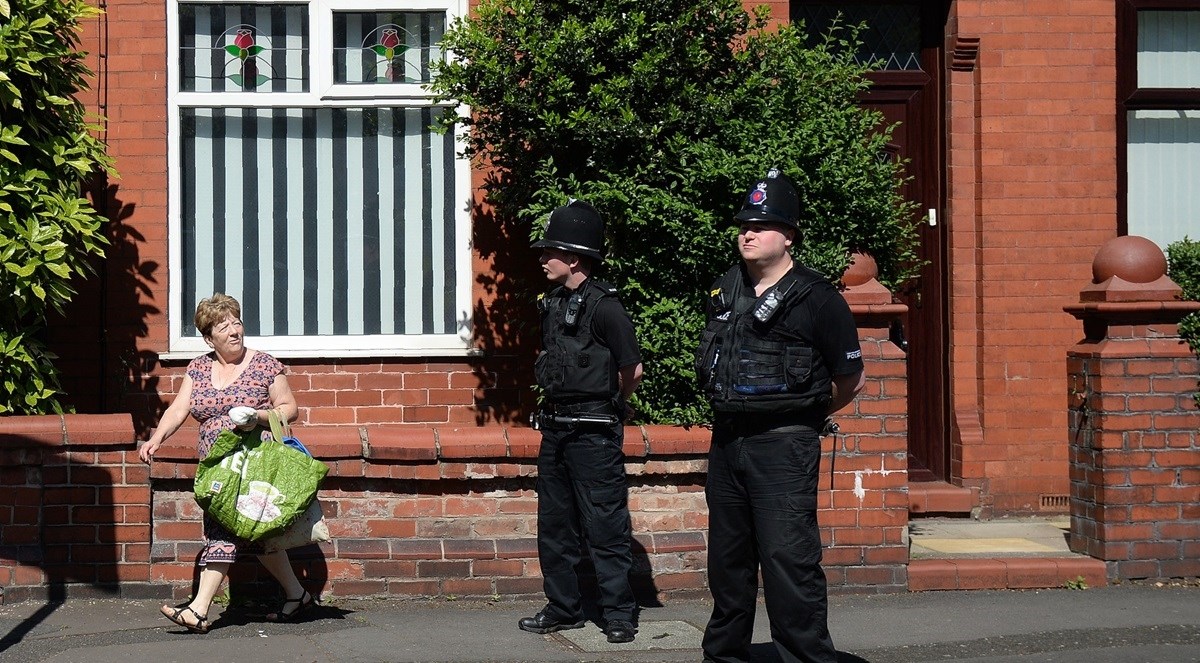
612	327
824	319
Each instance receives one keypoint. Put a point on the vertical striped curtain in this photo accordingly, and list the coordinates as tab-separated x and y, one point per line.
1163	161
323	221
1168	49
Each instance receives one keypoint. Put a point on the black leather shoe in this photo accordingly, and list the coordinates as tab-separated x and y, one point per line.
620	630
543	623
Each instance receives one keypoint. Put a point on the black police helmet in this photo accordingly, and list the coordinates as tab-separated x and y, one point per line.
575	227
772	199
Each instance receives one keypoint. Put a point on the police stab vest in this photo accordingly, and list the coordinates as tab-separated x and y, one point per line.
573	366
751	360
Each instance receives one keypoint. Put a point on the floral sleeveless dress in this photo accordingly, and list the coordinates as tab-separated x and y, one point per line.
210	406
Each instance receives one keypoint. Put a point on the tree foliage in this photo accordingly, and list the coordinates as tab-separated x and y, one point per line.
48	230
662	114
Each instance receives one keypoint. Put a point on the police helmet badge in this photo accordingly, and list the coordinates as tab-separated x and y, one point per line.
758	195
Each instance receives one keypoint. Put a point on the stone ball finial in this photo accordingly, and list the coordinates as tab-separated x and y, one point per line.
862	268
1131	258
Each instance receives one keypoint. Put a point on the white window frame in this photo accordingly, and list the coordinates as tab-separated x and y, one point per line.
323	93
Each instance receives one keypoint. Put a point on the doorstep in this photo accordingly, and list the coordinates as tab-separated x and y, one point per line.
1016	553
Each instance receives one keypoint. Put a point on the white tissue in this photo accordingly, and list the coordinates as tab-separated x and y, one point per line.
242	415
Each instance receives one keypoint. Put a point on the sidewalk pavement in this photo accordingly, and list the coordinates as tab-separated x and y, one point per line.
1133	622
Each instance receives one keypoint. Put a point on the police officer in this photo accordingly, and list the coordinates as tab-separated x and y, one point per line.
589	366
778	355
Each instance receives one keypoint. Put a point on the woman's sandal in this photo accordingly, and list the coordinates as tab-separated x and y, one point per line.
304	603
176	616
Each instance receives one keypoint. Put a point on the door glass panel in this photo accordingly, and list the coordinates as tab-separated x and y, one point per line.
892	36
1168	49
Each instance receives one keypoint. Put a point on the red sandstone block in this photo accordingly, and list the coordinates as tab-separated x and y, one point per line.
468	587
27	575
469	548
885	555
1180	568
361	548
980	574
530	586
843	556
384	569
676	542
331	442
177	448
497	567
422	472
523	442
424	415
417	549
443	569
347	468
932	574
391	529
524	548
483	442
1156	550
101	476
372	588
666	440
47	430
116	429
683	580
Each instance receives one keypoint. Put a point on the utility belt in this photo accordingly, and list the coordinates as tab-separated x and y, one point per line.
566	415
744	425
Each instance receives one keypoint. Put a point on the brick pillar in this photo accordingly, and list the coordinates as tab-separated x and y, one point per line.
1134	445
865	518
75	519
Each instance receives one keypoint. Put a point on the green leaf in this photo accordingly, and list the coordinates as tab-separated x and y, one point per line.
233	50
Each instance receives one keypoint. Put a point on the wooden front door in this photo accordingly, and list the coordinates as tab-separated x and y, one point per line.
906	36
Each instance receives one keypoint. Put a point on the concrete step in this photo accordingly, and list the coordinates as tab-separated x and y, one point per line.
1006	553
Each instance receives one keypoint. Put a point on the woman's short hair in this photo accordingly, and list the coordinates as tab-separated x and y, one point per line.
213	310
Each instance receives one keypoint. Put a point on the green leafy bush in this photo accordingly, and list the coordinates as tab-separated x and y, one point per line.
1183	266
48	230
662	114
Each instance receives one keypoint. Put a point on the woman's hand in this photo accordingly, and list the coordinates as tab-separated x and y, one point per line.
170	422
146	451
245	418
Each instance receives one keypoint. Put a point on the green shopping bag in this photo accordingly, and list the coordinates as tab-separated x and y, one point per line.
254	488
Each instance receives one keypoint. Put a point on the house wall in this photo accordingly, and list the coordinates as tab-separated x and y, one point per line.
1030	196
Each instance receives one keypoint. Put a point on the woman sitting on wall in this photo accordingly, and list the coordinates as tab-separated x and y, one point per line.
230	376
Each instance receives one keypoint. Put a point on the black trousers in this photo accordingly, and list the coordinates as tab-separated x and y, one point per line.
762	512
582	491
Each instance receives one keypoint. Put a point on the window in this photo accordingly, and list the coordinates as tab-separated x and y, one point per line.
306	181
1158	86
892	36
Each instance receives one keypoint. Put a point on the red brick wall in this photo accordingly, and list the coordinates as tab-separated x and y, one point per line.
1031	194
75	508
1135	451
429	509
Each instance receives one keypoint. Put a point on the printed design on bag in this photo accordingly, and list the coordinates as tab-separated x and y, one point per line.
261	503
215	487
